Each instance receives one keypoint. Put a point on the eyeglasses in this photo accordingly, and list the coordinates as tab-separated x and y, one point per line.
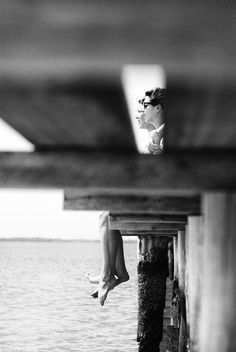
145	105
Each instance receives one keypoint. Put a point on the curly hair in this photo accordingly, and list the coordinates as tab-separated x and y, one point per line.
148	93
158	96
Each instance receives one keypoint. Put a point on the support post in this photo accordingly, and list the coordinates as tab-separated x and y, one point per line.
194	275
185	297
170	259
175	248
181	260
173	327
218	314
181	277
152	274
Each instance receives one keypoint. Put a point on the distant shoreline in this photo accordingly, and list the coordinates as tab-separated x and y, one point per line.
39	239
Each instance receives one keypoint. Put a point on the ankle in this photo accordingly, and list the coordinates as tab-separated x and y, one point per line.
126	277
105	277
123	277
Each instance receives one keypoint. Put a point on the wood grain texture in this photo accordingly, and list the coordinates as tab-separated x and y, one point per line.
148	218
149	233
186	316
194	274
75	199
60	70
201	113
200	34
144	226
181	260
181	282
85	110
175	172
175	250
217	319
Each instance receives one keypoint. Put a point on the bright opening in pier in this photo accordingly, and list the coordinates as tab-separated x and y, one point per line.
137	79
12	141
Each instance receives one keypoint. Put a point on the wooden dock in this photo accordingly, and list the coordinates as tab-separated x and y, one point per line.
61	88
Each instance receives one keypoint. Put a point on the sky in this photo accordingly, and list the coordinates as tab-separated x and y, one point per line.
33	213
39	213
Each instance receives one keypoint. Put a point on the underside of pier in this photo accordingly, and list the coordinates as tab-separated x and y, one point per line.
61	88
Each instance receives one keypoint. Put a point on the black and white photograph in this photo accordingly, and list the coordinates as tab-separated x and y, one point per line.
117	176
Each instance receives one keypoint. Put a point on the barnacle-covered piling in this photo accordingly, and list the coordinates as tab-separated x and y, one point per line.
152	273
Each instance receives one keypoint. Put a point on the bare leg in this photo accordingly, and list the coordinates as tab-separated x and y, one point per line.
104	236
120	268
121	271
113	261
109	251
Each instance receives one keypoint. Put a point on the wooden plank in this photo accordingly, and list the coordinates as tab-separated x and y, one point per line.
75	199
199	34
55	98
129	172
148	218
217	319
140	226
85	110
149	233
193	118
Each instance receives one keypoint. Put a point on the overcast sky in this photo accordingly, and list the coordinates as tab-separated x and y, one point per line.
39	213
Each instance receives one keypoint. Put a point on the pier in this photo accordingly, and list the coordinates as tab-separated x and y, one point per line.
61	88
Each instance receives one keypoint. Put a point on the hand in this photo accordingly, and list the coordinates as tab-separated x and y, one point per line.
154	148
155	137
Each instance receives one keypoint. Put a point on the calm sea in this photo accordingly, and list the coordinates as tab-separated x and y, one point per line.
45	302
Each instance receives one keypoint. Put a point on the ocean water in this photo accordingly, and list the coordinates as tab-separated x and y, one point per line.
45	302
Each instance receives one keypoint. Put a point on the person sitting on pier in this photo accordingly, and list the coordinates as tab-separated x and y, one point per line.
154	105
114	270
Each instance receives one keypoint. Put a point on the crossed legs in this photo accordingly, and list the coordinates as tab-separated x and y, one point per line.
113	270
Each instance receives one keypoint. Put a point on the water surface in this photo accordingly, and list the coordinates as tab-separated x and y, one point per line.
45	302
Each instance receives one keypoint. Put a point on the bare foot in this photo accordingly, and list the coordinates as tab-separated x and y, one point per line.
103	288
94	294
119	280
93	279
122	278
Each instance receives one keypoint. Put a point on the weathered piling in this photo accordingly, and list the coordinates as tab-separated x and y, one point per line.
172	344
181	281
218	314
175	249
152	274
194	275
170	259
